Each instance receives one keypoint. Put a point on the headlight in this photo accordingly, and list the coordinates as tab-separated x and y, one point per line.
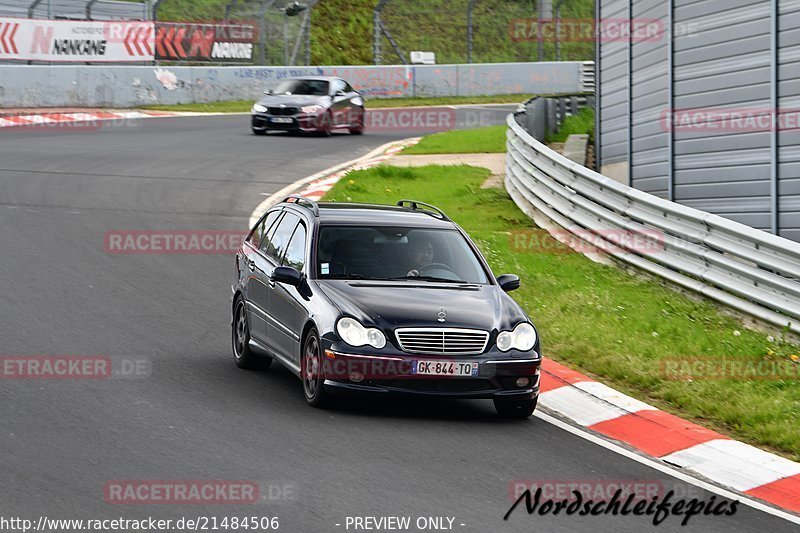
523	338
353	333
258	108
311	109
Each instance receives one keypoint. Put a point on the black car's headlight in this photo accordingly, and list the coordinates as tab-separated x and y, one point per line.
258	108
353	333
522	338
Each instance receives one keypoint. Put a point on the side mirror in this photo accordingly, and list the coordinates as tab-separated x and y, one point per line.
340	93
268	92
508	282
287	275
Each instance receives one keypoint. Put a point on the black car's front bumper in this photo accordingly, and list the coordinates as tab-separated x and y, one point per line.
495	379
264	121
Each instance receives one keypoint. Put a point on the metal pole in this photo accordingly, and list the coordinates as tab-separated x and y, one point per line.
470	8
285	38
33	7
597	92
262	53
156	5
376	32
558	29
89	9
539	51
301	30
308	37
670	100
376	36
630	97
228	8
774	162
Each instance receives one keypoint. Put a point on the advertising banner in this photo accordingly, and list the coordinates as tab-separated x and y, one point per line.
76	41
214	41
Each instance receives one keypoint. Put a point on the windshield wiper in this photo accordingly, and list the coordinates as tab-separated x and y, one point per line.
428	278
351	276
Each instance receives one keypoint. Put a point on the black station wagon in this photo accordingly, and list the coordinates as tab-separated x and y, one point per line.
382	300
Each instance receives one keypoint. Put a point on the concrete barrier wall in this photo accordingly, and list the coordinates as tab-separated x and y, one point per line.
131	86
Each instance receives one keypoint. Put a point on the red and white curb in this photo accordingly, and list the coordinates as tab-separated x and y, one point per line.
50	119
678	442
317	189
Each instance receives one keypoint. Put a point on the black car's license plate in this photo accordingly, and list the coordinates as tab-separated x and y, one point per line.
444	368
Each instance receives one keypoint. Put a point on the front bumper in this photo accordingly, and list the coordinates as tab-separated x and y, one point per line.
496	376
264	121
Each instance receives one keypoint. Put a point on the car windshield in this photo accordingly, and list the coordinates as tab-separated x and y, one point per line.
308	87
396	253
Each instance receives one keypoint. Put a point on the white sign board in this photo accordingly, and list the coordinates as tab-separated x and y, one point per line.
76	41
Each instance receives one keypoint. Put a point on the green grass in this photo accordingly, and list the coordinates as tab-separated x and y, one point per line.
601	320
490	139
583	122
243	106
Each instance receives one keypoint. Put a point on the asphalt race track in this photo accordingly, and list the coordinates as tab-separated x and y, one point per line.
195	415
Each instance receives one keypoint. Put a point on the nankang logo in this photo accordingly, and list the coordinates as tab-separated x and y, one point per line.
441	314
79	47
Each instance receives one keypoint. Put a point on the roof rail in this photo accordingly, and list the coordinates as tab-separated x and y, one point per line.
414	205
302	200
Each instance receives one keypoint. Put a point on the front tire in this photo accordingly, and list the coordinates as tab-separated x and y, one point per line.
326	124
515	409
358	129
240	337
312	372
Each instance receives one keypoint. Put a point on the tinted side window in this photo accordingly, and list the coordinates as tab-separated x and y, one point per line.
338	85
296	251
269	232
263	227
348	88
278	241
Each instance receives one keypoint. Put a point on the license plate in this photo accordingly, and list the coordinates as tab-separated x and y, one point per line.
444	368
281	120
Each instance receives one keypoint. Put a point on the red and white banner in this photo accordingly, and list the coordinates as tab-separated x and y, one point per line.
76	41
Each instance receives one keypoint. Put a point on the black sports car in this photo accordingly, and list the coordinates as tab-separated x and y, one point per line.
358	298
312	104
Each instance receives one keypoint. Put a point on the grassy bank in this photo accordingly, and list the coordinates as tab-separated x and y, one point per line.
488	140
243	106
600	319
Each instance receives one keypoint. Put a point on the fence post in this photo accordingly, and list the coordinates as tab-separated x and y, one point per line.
377	59
470	8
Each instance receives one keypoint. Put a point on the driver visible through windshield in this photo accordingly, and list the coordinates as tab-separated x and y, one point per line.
396	253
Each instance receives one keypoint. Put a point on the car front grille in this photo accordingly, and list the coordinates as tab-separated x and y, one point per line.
282	111
442	341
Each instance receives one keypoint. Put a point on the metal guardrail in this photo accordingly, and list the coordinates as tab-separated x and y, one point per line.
541	116
747	269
